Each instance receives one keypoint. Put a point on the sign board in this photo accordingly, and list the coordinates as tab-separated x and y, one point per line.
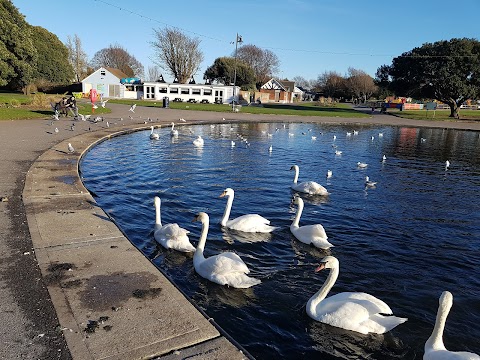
431	106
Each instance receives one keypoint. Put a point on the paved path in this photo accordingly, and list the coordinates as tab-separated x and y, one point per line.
55	244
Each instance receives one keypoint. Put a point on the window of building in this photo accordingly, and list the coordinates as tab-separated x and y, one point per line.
195	91
207	91
162	90
173	90
102	72
185	91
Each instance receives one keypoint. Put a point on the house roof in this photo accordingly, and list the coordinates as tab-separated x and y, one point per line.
118	73
288	85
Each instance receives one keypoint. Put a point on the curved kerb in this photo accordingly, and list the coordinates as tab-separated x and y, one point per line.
111	301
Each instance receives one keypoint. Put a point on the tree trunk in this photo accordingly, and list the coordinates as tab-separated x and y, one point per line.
454	110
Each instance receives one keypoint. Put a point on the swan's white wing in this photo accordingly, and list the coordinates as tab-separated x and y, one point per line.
449	355
312	234
358	312
310	187
172	236
250	223
316	230
222	264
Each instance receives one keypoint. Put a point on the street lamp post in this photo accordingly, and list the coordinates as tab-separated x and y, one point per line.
238	39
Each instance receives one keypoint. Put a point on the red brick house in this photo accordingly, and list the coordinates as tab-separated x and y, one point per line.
281	91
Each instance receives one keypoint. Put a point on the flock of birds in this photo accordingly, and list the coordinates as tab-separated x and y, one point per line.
355	311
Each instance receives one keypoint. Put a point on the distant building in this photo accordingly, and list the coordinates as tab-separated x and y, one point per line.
191	92
281	91
106	81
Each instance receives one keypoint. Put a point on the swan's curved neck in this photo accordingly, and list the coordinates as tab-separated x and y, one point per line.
151	132
158	220
228	208
323	292
202	240
296	221
435	341
295	179
173	126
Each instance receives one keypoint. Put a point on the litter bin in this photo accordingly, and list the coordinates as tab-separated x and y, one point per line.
166	102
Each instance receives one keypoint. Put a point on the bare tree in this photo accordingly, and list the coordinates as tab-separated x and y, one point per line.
360	84
332	84
153	73
117	57
263	62
77	57
302	82
177	53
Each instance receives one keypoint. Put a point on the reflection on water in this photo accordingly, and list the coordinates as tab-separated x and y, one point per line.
405	241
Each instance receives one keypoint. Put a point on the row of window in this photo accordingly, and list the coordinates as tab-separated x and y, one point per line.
186	91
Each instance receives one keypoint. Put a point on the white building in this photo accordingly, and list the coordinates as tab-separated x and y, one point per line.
106	81
220	94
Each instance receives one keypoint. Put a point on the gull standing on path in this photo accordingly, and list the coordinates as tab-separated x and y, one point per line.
70	148
132	108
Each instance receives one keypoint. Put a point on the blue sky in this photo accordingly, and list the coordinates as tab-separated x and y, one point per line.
308	36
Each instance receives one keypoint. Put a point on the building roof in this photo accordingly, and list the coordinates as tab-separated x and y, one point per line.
118	73
288	85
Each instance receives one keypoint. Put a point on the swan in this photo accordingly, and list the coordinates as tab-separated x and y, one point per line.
307	187
308	234
154	135
247	223
354	311
198	141
434	347
226	268
173	131
170	236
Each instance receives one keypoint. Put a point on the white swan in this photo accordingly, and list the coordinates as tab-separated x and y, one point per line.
434	347
307	187
154	135
226	268
308	234
198	141
247	223
173	131
170	236
354	311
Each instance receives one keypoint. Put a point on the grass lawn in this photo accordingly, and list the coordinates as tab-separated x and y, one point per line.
14	106
442	115
307	109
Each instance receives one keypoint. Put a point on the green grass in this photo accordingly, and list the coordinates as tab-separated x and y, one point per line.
440	115
14	106
308	109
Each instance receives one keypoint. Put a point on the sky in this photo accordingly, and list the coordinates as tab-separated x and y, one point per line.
309	37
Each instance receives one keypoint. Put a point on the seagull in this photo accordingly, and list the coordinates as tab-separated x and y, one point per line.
349	133
291	134
355	132
369	183
132	108
314	138
362	165
82	117
70	148
334	137
232	143
55	116
380	134
56	130
87	117
338	152
373	138
447	164
94	106
104	102
423	139
108	125
270	148
329	174
384	158
72	127
182	120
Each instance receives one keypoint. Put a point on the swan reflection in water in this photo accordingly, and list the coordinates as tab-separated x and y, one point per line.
344	344
217	296
231	236
311	199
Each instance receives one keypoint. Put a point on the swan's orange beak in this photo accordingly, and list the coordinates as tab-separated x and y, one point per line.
320	267
223	194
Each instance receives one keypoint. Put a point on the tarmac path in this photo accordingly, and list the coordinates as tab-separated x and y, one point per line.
29	322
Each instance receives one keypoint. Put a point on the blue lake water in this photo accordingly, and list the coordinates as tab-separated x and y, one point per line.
414	235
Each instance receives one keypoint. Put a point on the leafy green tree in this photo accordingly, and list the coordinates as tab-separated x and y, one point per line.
17	52
52	63
448	71
223	71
